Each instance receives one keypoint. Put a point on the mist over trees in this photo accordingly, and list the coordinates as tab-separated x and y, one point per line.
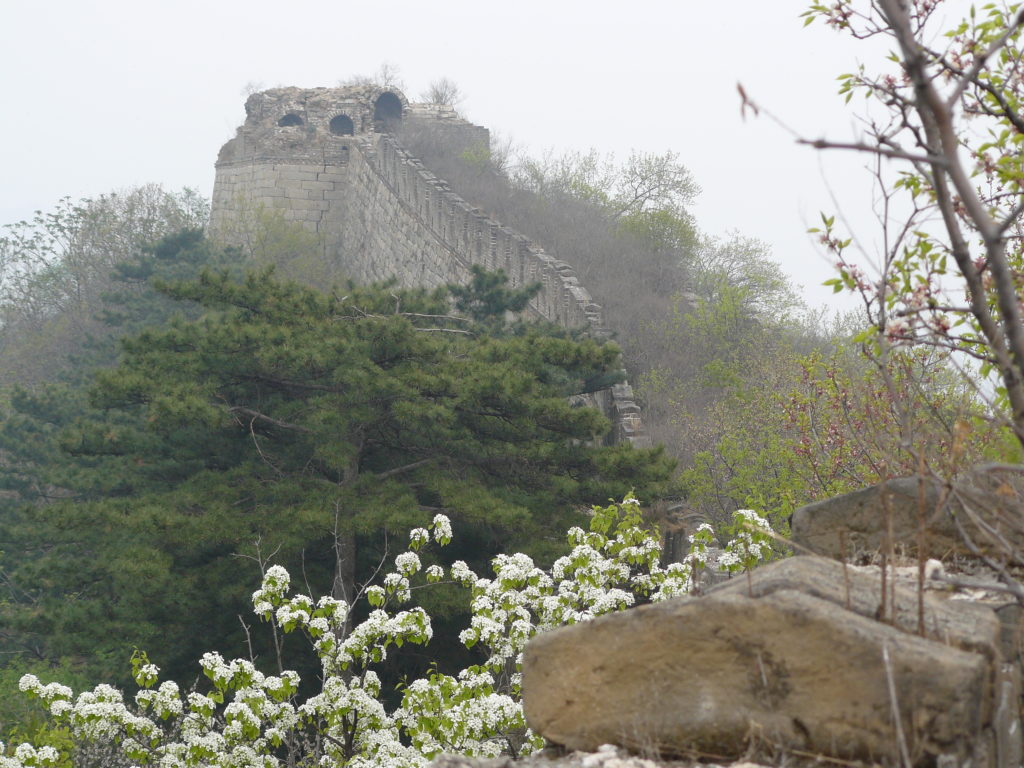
56	268
762	399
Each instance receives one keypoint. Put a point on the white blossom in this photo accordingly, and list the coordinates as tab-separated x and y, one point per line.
248	719
442	529
408	563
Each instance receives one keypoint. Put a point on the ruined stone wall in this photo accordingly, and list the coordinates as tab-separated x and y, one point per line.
433	237
384	215
379	235
301	192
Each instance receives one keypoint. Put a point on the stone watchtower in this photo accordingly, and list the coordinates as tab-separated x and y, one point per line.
293	154
328	159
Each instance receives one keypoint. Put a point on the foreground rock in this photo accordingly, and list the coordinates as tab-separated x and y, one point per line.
606	756
795	659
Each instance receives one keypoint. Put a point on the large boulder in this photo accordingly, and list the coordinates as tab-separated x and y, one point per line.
986	502
794	658
857	524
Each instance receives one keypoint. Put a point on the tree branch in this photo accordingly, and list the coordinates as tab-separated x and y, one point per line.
1006	337
270	420
405	468
874	150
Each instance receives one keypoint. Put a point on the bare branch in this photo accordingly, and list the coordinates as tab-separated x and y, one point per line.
1011	218
446	330
874	150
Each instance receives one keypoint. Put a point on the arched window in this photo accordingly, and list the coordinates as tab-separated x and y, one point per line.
341	125
290	119
387	112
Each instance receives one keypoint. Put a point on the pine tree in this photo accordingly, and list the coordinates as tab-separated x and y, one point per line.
304	428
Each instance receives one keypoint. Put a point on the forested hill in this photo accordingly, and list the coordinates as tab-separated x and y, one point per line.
202	418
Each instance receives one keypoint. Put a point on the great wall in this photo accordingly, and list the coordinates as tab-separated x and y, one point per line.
328	158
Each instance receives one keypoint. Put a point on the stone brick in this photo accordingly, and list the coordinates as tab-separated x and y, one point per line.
309	205
294	167
297	175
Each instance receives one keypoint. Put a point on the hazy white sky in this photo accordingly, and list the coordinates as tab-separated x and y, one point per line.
106	94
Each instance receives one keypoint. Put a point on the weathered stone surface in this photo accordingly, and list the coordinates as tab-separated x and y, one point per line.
854	523
796	669
986	501
957	623
606	756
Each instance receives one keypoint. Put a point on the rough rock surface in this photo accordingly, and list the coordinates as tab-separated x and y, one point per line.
780	660
986	501
854	524
960	624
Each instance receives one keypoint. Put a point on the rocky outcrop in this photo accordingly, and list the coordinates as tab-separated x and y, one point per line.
855	525
806	655
978	513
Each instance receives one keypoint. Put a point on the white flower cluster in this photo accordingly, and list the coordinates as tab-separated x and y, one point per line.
751	544
418	537
25	755
236	738
465	714
442	529
251	720
275	585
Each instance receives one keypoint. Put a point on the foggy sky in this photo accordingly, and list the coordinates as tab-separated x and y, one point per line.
103	95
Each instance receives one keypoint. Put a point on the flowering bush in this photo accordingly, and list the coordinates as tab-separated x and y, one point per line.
751	543
248	719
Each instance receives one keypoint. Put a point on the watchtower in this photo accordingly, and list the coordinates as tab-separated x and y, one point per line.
292	152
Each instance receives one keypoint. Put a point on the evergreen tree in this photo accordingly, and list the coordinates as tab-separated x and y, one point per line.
42	548
302	428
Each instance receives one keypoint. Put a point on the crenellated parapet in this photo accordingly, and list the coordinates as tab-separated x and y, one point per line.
476	238
328	159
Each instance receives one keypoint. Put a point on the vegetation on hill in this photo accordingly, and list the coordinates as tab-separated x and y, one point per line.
56	268
279	424
764	402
